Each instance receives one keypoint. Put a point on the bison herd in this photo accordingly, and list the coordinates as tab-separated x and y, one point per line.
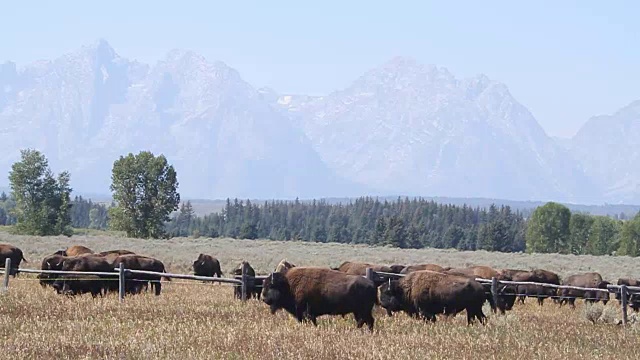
421	291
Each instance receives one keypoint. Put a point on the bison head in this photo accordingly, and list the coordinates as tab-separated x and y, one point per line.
391	295
506	298
396	268
277	294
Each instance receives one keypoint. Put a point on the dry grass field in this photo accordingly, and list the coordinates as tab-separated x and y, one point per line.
191	320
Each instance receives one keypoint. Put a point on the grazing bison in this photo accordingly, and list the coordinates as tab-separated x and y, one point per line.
76	250
206	265
134	283
634	298
426	293
8	251
506	293
84	264
283	266
586	280
537	291
309	292
253	286
420	267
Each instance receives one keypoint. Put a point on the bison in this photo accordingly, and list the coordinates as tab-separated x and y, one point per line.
585	280
206	265
76	250
134	283
537	291
253	286
419	267
309	292
506	293
84	264
283	266
112	255
634	298
8	251
426	293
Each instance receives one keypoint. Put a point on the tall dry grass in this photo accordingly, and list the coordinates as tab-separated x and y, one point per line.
195	321
192	320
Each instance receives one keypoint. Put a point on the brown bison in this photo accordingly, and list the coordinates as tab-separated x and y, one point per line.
591	280
283	266
506	293
396	268
253	286
426	293
84	264
112	255
207	265
634	298
8	251
537	291
420	267
134	283
309	292
76	250
356	268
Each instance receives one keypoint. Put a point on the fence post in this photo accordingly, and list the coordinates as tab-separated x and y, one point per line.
245	279
7	272
369	274
121	282
494	290
623	296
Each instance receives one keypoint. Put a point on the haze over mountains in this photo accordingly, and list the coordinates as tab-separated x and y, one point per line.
400	129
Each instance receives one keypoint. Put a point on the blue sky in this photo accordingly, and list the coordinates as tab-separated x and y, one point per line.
565	60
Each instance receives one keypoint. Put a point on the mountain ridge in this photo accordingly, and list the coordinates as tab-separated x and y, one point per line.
401	127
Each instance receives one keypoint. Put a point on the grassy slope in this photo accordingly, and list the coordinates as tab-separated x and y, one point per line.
201	321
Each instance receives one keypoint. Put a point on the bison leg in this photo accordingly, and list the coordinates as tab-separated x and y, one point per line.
521	299
158	288
540	300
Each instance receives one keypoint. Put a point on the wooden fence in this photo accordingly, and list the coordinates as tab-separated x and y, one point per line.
245	280
120	272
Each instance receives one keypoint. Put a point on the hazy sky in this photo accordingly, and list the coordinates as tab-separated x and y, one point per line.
564	60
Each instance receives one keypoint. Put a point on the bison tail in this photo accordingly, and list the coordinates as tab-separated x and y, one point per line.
23	259
166	277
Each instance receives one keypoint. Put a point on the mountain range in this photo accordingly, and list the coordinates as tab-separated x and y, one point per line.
401	128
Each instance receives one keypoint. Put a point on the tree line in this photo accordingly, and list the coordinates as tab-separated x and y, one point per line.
145	204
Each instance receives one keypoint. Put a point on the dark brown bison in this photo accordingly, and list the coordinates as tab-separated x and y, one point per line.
50	262
86	263
76	250
80	284
420	267
112	255
134	283
206	265
506	293
397	268
426	293
253	286
309	292
283	266
591	280
634	298
8	251
537	291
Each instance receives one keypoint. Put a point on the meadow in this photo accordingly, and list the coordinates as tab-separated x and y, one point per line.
193	320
